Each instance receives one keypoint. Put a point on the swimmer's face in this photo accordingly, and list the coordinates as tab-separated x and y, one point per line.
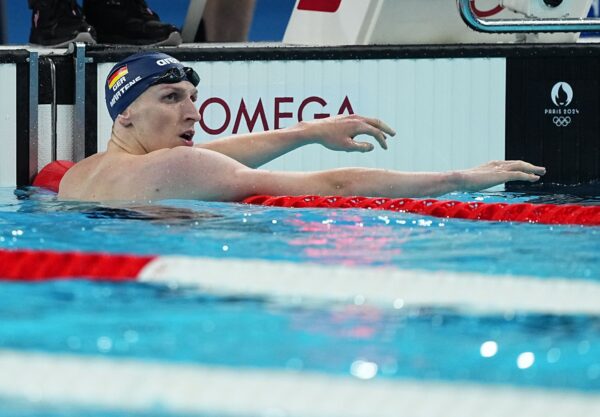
164	116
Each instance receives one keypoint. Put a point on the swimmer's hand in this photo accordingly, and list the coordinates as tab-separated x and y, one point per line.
497	172
337	133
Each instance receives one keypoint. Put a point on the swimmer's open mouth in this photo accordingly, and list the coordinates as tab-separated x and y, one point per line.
187	135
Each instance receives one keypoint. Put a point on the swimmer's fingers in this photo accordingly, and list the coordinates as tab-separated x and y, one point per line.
525	167
520	176
514	166
381	125
360	147
377	134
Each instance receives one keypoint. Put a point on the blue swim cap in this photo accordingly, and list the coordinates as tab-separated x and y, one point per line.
129	78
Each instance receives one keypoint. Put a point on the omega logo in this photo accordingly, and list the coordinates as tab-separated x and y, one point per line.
256	118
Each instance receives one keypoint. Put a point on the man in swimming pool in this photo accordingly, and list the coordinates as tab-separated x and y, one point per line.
151	154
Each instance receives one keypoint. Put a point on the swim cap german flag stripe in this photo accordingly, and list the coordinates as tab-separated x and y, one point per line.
121	72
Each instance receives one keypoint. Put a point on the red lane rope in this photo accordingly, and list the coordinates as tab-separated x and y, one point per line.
522	212
29	265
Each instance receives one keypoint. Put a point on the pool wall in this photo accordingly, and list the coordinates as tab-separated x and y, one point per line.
18	110
8	127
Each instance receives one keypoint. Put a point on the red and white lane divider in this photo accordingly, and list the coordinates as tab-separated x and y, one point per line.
46	380
382	286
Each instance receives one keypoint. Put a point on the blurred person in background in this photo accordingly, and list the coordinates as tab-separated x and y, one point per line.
226	21
56	23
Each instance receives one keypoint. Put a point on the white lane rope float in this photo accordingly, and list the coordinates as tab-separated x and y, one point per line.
137	386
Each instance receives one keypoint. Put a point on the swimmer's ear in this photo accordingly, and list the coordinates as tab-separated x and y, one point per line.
124	118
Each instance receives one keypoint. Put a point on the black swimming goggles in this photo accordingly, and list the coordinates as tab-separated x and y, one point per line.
177	74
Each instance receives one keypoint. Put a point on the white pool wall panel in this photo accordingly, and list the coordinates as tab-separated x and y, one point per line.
8	126
64	133
448	113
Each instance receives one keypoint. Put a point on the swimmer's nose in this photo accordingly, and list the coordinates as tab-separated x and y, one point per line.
196	115
191	111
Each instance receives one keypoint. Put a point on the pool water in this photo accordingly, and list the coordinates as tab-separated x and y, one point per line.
348	237
158	323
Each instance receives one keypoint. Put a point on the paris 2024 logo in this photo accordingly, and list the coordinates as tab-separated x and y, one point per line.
562	114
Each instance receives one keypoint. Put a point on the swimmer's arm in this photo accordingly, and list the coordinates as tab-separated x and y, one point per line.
207	175
389	183
335	133
256	149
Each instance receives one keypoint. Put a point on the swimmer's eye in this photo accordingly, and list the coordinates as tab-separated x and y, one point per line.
176	97
171	97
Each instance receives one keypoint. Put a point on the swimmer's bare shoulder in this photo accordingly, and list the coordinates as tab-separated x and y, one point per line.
78	182
104	176
181	172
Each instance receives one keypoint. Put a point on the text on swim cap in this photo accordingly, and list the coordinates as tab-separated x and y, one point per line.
166	61
118	83
123	89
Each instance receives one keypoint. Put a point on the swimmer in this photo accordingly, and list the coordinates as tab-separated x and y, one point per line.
151	154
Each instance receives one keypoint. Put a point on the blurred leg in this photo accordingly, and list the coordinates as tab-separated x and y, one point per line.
228	20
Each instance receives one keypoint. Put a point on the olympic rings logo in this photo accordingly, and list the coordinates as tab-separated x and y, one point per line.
561	121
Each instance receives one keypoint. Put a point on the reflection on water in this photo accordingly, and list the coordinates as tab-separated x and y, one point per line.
154	213
341	239
551	193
